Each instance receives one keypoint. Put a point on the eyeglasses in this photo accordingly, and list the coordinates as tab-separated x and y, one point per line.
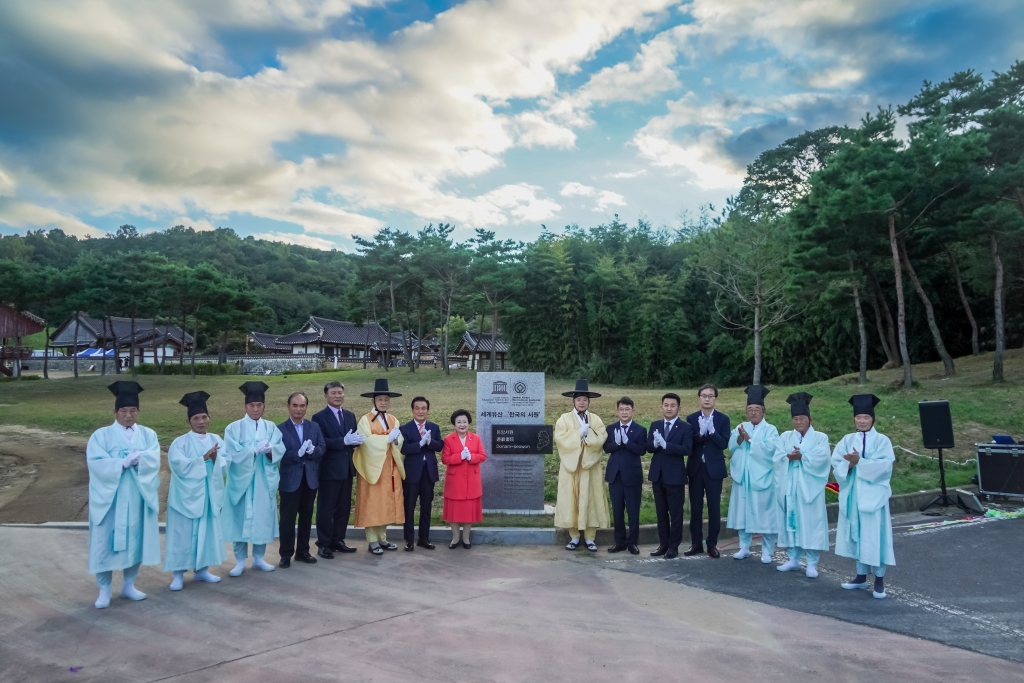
707	396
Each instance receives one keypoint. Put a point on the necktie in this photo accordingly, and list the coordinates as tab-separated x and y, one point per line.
337	414
863	444
668	428
422	432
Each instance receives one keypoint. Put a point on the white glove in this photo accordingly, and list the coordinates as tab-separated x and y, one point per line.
306	447
354	438
393	435
426	439
310	448
659	440
466	454
132	460
584	429
709	425
618	437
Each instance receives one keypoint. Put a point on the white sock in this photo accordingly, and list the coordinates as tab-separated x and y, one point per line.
131	592
206	576
742	554
259	563
812	571
177	584
103	601
789	566
238	569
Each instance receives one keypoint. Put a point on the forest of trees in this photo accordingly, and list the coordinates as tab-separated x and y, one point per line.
893	242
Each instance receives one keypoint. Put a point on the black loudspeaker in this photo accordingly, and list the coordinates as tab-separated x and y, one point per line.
936	424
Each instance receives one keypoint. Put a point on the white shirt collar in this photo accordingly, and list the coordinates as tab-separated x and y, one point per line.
627	425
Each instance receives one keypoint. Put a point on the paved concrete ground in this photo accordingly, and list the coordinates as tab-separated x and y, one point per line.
959	585
486	614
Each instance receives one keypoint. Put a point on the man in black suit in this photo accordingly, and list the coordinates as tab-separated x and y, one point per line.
336	471
706	470
303	447
421	445
626	443
670	442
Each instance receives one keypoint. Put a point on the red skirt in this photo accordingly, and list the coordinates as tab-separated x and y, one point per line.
463	511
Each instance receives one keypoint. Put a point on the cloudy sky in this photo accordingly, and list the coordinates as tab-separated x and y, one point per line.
310	122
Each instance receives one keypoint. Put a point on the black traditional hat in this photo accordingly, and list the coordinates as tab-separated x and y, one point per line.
195	402
756	394
864	404
800	404
255	392
127	393
582	389
380	388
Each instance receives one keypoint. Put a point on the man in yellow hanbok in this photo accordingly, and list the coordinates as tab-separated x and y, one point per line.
582	505
381	468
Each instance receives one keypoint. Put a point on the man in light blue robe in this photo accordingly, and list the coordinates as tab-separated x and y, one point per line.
124	474
195	497
804	461
753	503
253	449
862	464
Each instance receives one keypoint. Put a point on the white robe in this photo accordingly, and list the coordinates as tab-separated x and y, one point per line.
753	503
801	490
250	503
194	502
123	507
864	532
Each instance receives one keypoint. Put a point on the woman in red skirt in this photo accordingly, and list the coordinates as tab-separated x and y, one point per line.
463	491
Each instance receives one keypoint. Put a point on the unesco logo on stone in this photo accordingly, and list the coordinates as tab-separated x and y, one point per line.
519	387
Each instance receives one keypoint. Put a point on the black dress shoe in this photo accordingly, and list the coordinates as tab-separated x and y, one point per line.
425	544
616	548
660	551
467	545
342	548
713	552
694	550
672	554
454	544
409	547
325	553
286	562
633	550
306	557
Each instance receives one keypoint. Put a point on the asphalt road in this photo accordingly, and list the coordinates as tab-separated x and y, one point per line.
959	585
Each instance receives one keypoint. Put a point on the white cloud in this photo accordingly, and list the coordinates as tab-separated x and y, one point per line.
174	132
577	189
197	224
607	198
20	214
298	239
603	198
628	174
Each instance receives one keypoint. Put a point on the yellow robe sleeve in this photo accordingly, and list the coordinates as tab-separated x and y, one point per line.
370	456
571	447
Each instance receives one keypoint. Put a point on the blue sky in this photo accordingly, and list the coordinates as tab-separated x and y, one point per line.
311	122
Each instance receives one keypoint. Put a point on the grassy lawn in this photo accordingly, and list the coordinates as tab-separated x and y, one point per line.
979	409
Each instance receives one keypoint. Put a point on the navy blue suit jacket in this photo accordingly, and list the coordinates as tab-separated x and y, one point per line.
712	446
292	466
669	464
420	460
625	459
336	465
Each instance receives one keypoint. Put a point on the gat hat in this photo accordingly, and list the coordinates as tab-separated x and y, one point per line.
755	395
864	404
195	402
127	393
255	392
380	388
582	389
800	404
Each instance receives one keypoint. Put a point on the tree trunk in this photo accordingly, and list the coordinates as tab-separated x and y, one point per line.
74	362
419	333
46	352
889	357
997	357
152	346
131	358
947	360
222	355
890	325
863	376
757	345
181	356
117	347
366	345
494	339
391	325
975	348
901	310
103	361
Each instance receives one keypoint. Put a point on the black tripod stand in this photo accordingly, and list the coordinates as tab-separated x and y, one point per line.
943	498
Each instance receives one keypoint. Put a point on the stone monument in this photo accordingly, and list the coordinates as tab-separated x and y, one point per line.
513	481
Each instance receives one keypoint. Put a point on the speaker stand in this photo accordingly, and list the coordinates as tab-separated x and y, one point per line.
944	499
